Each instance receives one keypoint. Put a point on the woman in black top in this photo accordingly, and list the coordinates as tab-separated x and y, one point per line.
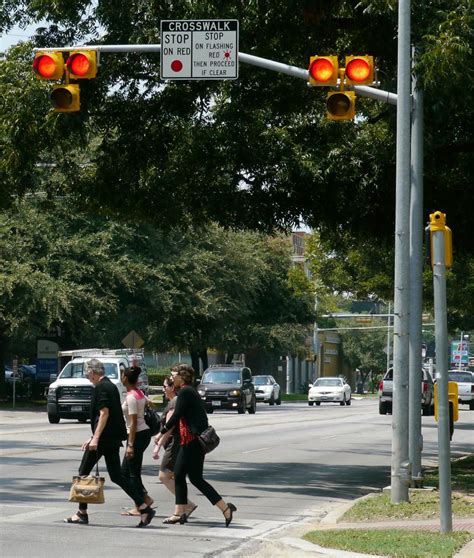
170	441
191	419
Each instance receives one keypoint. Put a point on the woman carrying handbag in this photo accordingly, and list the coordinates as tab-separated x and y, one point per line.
138	434
191	419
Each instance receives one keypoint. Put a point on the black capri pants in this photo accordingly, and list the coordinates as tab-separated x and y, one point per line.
190	462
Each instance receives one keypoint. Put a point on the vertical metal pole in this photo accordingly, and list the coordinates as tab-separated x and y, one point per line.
316	347
415	438
389	321
441	340
400	464
460	349
289	373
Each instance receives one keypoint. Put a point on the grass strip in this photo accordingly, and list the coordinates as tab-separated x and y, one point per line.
462	475
422	505
396	543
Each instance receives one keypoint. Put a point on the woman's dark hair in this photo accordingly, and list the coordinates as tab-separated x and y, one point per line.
185	371
169	381
132	374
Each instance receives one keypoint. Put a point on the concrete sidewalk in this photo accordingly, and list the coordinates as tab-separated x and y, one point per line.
289	544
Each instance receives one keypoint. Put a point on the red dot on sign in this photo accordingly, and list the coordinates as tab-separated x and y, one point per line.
176	65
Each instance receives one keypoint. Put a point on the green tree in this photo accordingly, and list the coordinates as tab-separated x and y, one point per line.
365	350
257	151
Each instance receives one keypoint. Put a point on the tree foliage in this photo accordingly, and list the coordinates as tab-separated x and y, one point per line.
256	152
97	278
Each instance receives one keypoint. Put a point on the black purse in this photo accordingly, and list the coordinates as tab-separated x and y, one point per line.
153	420
209	439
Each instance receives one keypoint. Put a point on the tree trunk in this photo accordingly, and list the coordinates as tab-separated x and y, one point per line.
3	352
195	360
204	360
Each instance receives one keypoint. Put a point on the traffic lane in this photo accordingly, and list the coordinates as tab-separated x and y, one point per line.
322	455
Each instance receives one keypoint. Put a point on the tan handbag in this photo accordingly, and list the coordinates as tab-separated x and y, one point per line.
88	489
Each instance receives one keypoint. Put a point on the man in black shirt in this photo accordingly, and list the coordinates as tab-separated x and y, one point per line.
108	432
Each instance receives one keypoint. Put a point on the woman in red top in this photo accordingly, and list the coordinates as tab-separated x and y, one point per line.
191	418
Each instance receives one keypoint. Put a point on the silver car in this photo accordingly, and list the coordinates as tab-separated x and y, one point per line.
267	389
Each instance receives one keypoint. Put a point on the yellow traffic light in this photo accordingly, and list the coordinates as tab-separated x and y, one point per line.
340	105
323	70
66	98
48	65
82	64
359	70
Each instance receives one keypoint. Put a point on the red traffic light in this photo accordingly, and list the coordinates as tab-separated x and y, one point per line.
359	70
82	64
323	70
48	65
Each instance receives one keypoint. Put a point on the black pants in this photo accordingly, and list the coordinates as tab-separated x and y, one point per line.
132	468
112	462
190	462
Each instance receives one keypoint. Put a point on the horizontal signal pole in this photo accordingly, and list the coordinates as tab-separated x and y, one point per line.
355	316
363	327
294	71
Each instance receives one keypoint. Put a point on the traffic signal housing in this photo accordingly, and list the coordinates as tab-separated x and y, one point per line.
323	70
359	70
340	105
82	64
66	98
48	65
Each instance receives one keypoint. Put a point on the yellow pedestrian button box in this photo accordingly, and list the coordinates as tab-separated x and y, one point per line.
453	398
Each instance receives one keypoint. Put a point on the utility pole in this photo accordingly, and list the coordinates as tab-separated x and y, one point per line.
400	471
415	438
438	260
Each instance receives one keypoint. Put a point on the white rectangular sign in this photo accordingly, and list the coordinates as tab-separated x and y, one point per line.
199	49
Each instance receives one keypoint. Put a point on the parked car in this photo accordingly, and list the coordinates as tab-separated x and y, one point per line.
386	391
329	390
267	389
28	371
465	382
228	387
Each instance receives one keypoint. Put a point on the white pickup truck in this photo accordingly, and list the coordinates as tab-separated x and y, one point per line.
386	392
69	396
465	381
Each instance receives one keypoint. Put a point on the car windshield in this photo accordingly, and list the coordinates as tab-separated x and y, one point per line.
460	377
221	377
79	370
262	381
328	382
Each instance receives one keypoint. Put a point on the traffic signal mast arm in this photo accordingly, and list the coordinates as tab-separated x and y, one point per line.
294	71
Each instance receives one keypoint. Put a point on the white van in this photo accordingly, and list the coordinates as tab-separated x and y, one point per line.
69	396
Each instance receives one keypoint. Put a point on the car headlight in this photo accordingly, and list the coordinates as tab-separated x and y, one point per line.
235	392
202	392
52	391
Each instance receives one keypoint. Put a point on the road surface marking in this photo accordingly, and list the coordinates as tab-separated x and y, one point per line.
254	451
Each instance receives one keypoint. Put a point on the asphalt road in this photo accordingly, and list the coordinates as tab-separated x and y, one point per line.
281	467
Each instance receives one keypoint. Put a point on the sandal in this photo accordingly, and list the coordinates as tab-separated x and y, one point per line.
173	519
149	514
231	508
191	511
78	518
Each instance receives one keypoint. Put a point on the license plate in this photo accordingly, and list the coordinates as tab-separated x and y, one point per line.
216	403
76	409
